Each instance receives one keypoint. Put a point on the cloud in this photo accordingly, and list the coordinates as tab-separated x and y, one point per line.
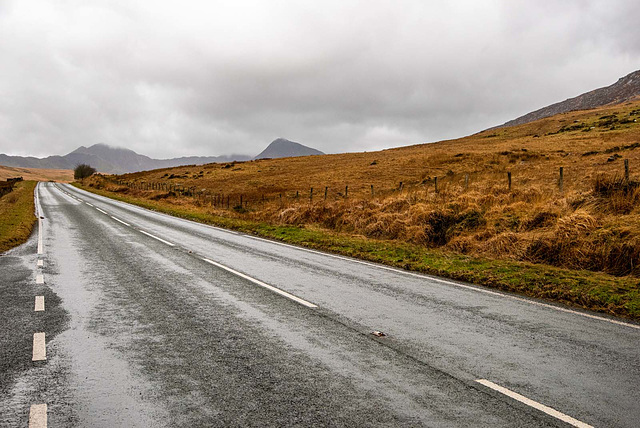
207	78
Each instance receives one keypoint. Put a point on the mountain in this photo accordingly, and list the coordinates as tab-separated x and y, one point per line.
625	89
116	160
283	148
112	160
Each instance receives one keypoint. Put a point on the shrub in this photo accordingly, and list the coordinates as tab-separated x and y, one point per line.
83	171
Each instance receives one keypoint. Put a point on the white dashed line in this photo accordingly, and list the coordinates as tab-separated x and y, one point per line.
88	204
444	281
262	284
155	237
103	212
39	347
39	307
118	220
40	263
39	278
529	402
38	416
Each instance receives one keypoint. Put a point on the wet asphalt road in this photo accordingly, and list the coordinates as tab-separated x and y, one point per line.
144	332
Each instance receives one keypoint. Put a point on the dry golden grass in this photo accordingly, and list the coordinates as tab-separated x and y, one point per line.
594	223
36	174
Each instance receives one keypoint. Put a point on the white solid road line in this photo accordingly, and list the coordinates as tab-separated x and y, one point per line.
40	263
444	281
39	214
39	307
548	410
103	212
262	284
117	219
38	416
39	279
155	237
39	347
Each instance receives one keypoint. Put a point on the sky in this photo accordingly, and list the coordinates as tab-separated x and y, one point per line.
207	78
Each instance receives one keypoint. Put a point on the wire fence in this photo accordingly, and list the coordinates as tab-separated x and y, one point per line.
432	186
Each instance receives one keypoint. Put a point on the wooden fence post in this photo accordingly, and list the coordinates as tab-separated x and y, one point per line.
311	195
509	179
346	191
372	194
561	182
466	181
326	189
626	169
400	187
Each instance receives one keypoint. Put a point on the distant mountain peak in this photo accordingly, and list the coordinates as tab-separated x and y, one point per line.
625	89
283	148
109	159
119	160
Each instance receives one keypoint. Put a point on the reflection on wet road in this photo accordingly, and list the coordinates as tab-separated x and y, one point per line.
156	321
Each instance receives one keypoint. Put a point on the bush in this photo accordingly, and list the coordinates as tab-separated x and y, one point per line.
83	171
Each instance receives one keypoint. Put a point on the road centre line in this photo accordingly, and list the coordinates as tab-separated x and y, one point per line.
40	263
529	402
117	219
262	284
39	306
39	279
38	416
39	347
102	211
155	237
444	281
88	204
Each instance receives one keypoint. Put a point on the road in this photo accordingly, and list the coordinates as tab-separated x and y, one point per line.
151	320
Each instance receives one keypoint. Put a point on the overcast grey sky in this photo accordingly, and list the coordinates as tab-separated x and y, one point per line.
174	78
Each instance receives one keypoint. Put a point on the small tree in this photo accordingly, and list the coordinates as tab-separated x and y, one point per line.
83	171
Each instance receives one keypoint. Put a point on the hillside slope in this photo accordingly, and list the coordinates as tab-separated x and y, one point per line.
36	174
625	89
579	243
391	194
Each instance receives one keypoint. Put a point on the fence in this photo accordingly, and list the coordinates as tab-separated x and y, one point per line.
435	186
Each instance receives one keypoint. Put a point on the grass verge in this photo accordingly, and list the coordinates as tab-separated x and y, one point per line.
618	296
17	215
